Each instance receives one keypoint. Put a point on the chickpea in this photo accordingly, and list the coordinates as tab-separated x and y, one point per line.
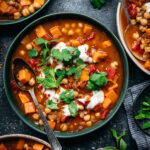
92	117
36	116
32	81
82	115
97	115
31	9
143	22
29	46
40	122
136	35
76	94
25	12
64	81
47	110
142	46
144	7
22	52
64	30
71	127
82	123
87	118
67	25
89	123
26	146
133	22
142	28
80	107
17	15
147	15
36	5
73	25
147	49
70	32
80	25
138	19
138	9
64	127
114	64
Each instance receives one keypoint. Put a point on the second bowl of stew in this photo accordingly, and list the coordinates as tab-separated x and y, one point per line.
81	71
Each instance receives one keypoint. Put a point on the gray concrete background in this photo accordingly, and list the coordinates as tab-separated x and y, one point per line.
9	121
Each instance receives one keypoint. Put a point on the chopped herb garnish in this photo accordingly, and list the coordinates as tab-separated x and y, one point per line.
78	71
71	71
97	80
67	96
50	104
79	62
33	52
61	72
98	3
41	41
73	109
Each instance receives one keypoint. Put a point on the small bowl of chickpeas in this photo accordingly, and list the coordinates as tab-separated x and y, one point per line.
135	36
16	11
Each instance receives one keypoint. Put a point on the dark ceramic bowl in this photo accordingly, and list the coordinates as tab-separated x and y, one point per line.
7	69
23	136
10	22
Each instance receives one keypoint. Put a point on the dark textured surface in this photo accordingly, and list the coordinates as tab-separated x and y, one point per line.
9	121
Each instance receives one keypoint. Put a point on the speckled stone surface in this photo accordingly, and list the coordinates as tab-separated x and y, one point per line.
9	121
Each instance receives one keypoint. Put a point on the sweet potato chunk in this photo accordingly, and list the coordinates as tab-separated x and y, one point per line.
20	144
23	97
52	124
2	147
25	2
148	32
84	75
107	102
87	29
3	7
106	44
41	2
97	55
25	40
147	64
112	95
29	108
75	43
40	31
24	76
55	31
38	146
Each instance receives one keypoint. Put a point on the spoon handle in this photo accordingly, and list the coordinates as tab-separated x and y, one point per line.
125	9
50	134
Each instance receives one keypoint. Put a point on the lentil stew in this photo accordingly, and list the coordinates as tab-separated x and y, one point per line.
79	74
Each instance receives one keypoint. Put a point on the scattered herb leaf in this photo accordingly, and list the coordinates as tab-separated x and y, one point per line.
33	53
73	109
67	96
50	104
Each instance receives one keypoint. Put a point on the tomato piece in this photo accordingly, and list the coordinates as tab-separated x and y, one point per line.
70	86
97	107
63	117
14	85
82	85
11	10
132	9
33	62
91	36
111	72
92	69
136	45
104	114
47	37
141	51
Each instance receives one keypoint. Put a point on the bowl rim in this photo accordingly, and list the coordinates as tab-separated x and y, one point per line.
118	24
24	136
22	19
125	73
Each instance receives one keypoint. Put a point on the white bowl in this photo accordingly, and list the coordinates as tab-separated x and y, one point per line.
118	23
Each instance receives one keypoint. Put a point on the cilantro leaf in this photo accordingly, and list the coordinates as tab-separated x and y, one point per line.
73	51
146	125
66	55
50	104
97	80
41	41
61	72
57	54
79	62
98	3
33	53
114	132
110	148
71	71
67	96
46	71
73	109
78	71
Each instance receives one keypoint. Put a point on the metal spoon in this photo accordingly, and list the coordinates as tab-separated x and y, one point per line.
19	64
129	26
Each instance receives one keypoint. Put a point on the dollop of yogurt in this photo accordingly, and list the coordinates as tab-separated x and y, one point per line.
148	6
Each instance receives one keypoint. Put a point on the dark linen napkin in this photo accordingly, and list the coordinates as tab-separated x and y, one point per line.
142	140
